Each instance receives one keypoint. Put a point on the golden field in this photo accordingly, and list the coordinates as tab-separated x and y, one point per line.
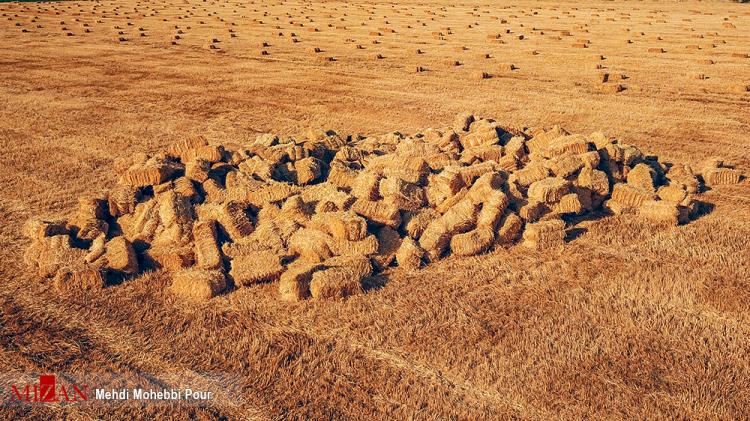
628	320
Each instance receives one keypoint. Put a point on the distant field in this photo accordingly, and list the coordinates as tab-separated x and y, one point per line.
629	320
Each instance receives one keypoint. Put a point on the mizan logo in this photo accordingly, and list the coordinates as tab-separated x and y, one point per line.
48	390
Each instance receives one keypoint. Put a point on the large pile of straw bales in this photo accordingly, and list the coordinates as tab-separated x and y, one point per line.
320	213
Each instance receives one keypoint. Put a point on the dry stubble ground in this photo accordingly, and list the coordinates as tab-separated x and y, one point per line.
628	321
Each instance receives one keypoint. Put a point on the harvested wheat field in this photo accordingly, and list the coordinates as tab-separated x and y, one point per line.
407	210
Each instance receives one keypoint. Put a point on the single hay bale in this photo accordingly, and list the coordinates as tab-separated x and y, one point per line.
435	238
179	148
550	190
482	153
198	170
473	242
89	229
660	211
343	225
533	210
310	245
233	218
643	177
574	144
78	278
336	282
38	228
568	165
630	196
462	122
141	224
49	254
590	159
341	175
719	176
685	176
208	153
379	212
475	139
308	170
152	172
366	186
594	180
389	242
530	174
122	199
674	193
120	256
544	234
96	250
207	253
294	284
170	258
492	210
461	217
255	268
570	203
409	255
364	247
414	223
448	182
541	140
402	194
272	192
198	284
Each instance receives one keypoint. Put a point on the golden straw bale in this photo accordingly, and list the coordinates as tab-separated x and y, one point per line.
336	282
451	201
92	208
642	176
448	181
479	138
542	140
590	159
198	284
294	284
378	212
462	122
49	254
96	250
435	237
364	247
233	218
719	176
674	193
170	258
345	225
567	165
550	190
366	186
272	192
628	195
533	210
88	229
574	144
207	254
660	211
208	153
122	199
532	172
510	228
78	278
257	267
594	180
308	170
414	223
152	172
492	210
197	170
461	217
120	256
389	242
310	245
409	255
544	234
39	228
178	148
684	175
402	194
570	203
341	175
472	172
142	223
473	242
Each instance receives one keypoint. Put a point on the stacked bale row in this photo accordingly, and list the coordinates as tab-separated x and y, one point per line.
323	212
